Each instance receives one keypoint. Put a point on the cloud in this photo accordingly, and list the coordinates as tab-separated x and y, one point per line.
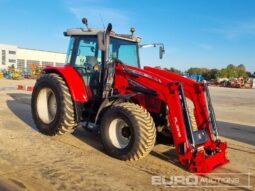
204	46
232	30
98	14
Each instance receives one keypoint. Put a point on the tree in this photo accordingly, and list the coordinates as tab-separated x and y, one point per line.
249	74
174	70
232	71
196	70
223	73
211	74
230	66
241	67
241	71
207	74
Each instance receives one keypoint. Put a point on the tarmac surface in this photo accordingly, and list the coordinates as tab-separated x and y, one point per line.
32	161
235	112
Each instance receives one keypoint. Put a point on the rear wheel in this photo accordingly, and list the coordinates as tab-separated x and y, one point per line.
127	131
52	105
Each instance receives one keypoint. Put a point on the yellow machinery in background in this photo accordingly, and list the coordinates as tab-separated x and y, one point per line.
36	69
17	74
14	73
1	74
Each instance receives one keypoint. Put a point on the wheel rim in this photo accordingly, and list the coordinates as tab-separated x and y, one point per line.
46	105
119	133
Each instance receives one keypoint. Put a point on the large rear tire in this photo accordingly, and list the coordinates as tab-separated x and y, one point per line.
52	105
128	131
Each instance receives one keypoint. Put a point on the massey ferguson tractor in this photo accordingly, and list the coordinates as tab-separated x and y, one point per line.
102	87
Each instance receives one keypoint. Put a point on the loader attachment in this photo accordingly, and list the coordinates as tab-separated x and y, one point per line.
209	158
192	121
198	149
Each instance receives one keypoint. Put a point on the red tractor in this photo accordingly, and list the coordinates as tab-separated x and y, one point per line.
102	87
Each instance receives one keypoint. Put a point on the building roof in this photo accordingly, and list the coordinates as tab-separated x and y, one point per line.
42	50
15	46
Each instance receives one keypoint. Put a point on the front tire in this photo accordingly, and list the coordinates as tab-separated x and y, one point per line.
128	131
52	105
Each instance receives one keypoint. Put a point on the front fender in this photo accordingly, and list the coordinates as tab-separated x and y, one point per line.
74	81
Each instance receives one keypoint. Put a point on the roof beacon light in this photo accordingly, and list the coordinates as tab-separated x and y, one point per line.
132	30
85	22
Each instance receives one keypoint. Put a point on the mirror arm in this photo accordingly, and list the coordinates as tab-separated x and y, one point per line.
161	48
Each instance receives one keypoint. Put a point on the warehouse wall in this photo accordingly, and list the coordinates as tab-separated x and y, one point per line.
7	55
23	57
31	56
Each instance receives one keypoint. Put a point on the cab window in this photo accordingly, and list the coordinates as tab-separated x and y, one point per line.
124	50
88	53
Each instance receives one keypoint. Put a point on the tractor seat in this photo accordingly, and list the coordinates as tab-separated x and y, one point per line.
92	76
89	64
91	60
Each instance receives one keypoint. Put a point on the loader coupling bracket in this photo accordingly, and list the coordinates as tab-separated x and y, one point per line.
209	158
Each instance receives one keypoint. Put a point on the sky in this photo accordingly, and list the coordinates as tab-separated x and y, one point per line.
196	33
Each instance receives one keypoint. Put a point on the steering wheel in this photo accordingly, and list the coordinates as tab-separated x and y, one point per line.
88	66
81	69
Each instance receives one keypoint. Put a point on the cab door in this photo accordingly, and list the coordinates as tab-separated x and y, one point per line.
88	62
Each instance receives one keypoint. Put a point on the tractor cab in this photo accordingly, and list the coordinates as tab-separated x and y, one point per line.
90	50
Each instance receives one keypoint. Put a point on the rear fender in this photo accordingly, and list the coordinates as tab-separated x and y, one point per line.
76	86
74	81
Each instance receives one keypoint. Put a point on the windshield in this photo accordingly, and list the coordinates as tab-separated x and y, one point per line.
124	50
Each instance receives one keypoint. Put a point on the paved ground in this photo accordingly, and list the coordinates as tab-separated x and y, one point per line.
235	111
242	133
234	105
32	161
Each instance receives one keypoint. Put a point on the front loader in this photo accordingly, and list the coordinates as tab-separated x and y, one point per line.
102	87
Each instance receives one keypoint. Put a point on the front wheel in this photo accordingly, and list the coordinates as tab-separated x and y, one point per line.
128	131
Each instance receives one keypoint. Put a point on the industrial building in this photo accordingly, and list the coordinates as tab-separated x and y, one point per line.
23	57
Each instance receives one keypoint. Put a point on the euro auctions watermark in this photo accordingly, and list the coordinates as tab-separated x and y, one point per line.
218	180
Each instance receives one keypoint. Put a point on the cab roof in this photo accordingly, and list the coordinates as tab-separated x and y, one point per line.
94	31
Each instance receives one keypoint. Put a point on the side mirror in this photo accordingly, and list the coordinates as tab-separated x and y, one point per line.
161	52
